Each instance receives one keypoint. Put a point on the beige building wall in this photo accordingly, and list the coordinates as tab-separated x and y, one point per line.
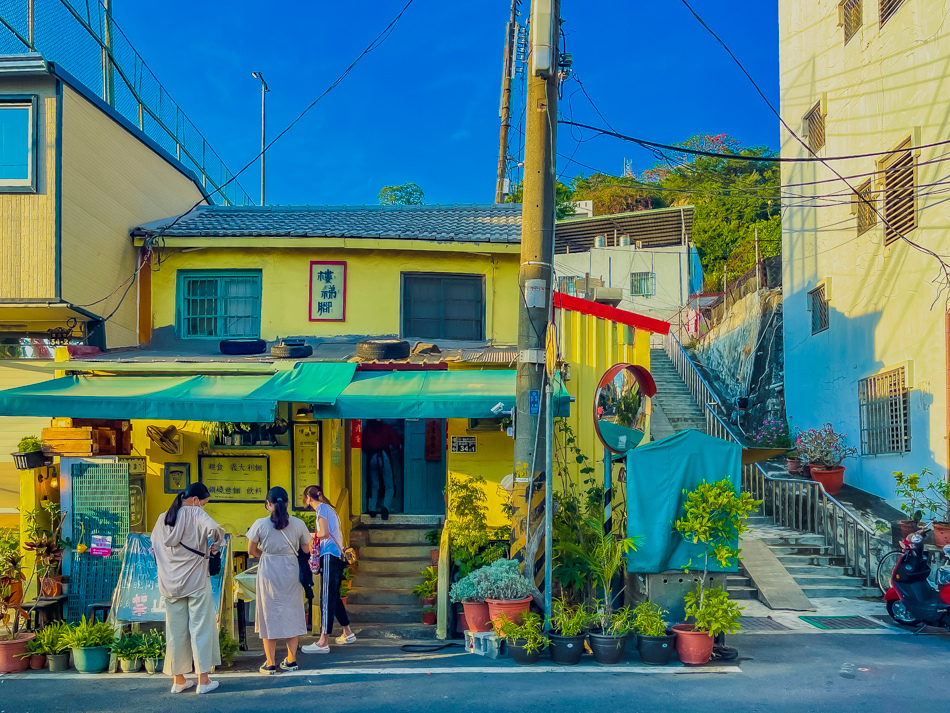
887	303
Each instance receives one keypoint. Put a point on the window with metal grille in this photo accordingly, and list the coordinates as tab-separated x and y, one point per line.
888	8
438	306
900	193
815	127
818	306
851	17
864	207
884	403
642	284
219	305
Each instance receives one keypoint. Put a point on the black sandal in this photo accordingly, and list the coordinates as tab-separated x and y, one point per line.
268	670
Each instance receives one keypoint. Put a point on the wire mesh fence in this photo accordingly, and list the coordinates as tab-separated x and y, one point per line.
81	37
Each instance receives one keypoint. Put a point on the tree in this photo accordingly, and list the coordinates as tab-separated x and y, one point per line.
406	194
564	205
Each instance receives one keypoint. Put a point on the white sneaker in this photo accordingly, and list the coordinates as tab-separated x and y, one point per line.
314	649
344	639
207	688
179	687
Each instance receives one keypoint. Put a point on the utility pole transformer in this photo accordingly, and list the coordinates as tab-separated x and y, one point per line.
508	67
532	430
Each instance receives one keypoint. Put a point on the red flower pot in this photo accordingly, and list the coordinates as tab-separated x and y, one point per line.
10	659
37	662
428	618
909	527
476	616
514	609
831	478
693	647
794	465
941	534
462	624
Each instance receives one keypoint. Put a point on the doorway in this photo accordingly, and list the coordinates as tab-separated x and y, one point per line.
403	466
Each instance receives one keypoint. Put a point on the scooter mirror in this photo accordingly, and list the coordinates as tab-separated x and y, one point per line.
946	551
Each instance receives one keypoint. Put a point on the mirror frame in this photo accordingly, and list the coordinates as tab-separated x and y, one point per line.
644	380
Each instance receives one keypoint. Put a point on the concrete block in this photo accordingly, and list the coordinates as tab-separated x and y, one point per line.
485	643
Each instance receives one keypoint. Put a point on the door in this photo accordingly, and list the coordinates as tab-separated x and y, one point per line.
425	466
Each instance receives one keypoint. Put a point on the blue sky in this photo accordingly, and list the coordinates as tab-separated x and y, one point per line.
424	106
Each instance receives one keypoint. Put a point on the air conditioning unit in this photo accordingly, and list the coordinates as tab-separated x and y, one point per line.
605	295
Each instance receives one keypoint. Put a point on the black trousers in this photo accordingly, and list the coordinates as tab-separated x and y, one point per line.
330	603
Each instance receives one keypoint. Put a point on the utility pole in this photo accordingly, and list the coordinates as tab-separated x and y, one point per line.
264	90
108	77
758	262
532	434
508	66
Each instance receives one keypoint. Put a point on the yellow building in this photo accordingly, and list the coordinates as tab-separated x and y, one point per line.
865	292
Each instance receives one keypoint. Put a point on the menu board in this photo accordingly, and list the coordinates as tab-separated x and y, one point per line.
235	479
306	459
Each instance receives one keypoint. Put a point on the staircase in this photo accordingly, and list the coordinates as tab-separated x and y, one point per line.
381	604
672	399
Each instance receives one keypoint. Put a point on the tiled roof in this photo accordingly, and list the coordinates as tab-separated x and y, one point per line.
465	223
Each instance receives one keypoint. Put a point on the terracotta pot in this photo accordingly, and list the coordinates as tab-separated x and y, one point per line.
908	527
794	465
462	623
343	600
941	534
514	609
476	616
434	557
37	662
10	660
831	478
51	586
428	618
428	601
693	647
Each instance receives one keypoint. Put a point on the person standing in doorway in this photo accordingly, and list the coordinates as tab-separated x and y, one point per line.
182	538
378	439
330	535
278	610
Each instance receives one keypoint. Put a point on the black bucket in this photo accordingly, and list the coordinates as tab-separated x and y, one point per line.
567	650
656	650
520	656
607	649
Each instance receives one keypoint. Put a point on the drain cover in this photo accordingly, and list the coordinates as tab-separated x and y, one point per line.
760	623
841	622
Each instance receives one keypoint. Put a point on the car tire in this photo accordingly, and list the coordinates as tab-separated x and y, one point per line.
291	351
242	346
372	349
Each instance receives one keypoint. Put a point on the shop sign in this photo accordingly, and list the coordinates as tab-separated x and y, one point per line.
235	479
306	460
101	546
327	291
463	444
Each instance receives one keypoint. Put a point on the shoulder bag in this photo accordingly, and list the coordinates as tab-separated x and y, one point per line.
214	559
303	565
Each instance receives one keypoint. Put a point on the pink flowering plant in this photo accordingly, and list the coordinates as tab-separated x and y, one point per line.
823	447
772	434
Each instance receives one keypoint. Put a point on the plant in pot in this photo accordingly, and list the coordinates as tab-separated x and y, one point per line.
609	631
472	542
90	641
824	451
11	565
429	615
773	433
525	640
12	642
44	539
228	646
53	643
346	584
473	603
127	649
33	654
941	489
29	453
433	537
567	632
714	517
655	640
152	650
427	590
913	499
504	589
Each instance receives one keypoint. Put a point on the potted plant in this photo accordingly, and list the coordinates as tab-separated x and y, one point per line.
714	517
11	572
941	488
567	644
504	589
53	644
655	640
47	546
825	450
152	650
228	646
29	454
472	542
427	590
12	642
793	463
429	615
34	655
433	537
346	584
913	499
473	603
525	640
609	632
127	649
89	641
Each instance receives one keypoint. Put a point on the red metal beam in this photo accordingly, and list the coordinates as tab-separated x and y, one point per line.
621	316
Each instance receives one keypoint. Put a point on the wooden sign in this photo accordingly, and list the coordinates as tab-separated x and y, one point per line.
327	291
306	460
235	479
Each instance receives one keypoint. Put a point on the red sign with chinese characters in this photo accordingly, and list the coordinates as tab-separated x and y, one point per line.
327	291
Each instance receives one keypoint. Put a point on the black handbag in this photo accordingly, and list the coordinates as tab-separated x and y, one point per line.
303	566
214	560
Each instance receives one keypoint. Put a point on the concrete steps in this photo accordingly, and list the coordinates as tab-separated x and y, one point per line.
740	587
818	572
672	397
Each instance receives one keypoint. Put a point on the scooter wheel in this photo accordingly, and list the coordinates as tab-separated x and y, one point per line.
898	612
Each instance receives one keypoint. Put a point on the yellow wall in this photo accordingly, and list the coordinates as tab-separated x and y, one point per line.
111	182
492	460
373	287
28	220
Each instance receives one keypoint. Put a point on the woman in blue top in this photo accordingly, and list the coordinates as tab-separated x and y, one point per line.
331	569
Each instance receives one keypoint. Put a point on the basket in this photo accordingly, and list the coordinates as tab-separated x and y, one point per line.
28	461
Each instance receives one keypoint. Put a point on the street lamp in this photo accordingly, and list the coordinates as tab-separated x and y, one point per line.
264	90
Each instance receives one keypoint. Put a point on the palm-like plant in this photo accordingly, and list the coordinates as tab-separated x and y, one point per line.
604	554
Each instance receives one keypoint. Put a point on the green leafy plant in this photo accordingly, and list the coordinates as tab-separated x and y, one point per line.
568	620
43	538
913	495
88	634
53	638
433	537
529	634
29	444
229	647
127	647
465	590
471	541
604	554
429	609
32	648
941	507
649	619
605	620
824	447
428	587
153	645
712	610
502	579
346	582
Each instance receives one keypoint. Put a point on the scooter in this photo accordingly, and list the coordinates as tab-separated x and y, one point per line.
912	599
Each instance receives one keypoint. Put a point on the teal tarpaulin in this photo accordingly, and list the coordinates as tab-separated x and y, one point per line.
657	475
308	382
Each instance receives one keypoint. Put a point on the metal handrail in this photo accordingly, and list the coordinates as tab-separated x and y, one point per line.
789	502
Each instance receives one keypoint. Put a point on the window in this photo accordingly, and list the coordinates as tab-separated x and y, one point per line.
818	306
436	306
219	305
16	143
900	193
883	401
815	127
850	12
888	8
864	207
642	284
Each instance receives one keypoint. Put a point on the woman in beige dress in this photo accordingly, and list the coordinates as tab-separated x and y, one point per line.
279	608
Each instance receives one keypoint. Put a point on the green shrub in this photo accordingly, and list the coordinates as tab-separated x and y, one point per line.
53	638
712	610
29	444
529	634
568	620
127	647
648	619
502	579
229	647
87	634
153	645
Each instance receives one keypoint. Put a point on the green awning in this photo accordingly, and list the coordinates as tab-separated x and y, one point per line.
181	398
432	394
